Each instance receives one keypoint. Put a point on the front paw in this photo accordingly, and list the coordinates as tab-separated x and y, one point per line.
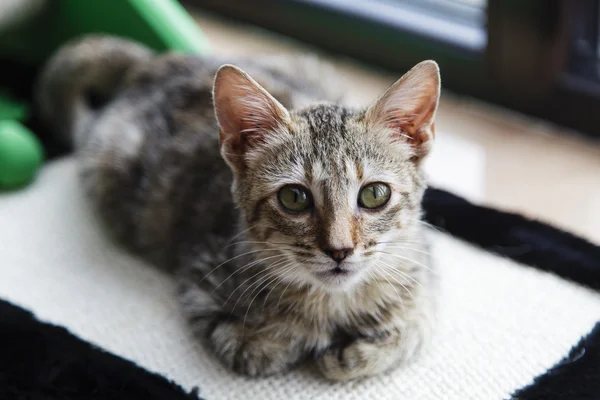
359	359
249	353
368	357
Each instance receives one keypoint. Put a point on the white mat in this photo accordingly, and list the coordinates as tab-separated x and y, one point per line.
502	324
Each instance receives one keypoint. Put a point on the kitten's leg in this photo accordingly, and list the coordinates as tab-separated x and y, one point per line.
246	346
372	356
252	351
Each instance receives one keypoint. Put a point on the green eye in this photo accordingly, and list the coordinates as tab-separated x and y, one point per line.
295	198
374	195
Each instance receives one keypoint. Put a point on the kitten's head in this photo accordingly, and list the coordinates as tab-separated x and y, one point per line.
327	188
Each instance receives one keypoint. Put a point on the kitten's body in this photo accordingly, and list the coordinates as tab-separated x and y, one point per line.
150	162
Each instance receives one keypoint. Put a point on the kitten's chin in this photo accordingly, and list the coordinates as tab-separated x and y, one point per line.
338	279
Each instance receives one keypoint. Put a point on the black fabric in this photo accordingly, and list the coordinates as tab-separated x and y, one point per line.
39	361
576	377
514	236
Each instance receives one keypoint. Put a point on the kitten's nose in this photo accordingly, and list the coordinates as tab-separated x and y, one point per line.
339	254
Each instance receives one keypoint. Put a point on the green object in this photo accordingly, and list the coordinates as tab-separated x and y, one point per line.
31	30
11	109
20	155
159	24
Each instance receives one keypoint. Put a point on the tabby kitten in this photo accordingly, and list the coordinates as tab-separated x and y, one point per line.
292	223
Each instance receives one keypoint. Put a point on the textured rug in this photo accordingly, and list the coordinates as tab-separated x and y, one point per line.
519	306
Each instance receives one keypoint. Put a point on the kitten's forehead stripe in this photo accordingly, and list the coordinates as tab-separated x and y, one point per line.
327	126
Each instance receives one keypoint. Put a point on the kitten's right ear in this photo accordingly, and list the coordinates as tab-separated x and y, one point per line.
407	109
247	114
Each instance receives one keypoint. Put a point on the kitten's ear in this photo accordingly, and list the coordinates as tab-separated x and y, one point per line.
247	114
408	107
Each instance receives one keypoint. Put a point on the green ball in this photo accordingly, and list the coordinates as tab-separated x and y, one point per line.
21	155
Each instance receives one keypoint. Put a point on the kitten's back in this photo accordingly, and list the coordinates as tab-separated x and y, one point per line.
87	73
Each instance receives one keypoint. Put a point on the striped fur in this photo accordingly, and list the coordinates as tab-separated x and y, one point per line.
254	280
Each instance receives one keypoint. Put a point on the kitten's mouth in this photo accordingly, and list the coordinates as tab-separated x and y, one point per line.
339	277
337	272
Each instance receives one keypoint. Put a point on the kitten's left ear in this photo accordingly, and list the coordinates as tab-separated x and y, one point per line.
247	114
408	107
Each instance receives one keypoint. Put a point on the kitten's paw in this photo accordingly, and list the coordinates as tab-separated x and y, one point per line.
366	357
359	359
248	353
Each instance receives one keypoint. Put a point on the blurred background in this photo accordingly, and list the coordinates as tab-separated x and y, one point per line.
536	56
519	120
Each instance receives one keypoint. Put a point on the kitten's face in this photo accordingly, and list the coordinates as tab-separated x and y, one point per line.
329	195
328	188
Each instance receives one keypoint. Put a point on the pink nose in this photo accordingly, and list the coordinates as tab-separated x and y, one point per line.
338	254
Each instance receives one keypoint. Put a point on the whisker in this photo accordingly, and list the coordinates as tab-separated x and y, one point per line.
263	279
384	270
408	259
233	258
282	293
267	283
284	270
290	247
245	268
427	224
376	279
242	232
271	291
249	279
409	248
257	283
402	273
260	288
393	287
423	243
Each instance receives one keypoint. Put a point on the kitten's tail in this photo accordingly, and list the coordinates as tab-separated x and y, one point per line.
80	78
